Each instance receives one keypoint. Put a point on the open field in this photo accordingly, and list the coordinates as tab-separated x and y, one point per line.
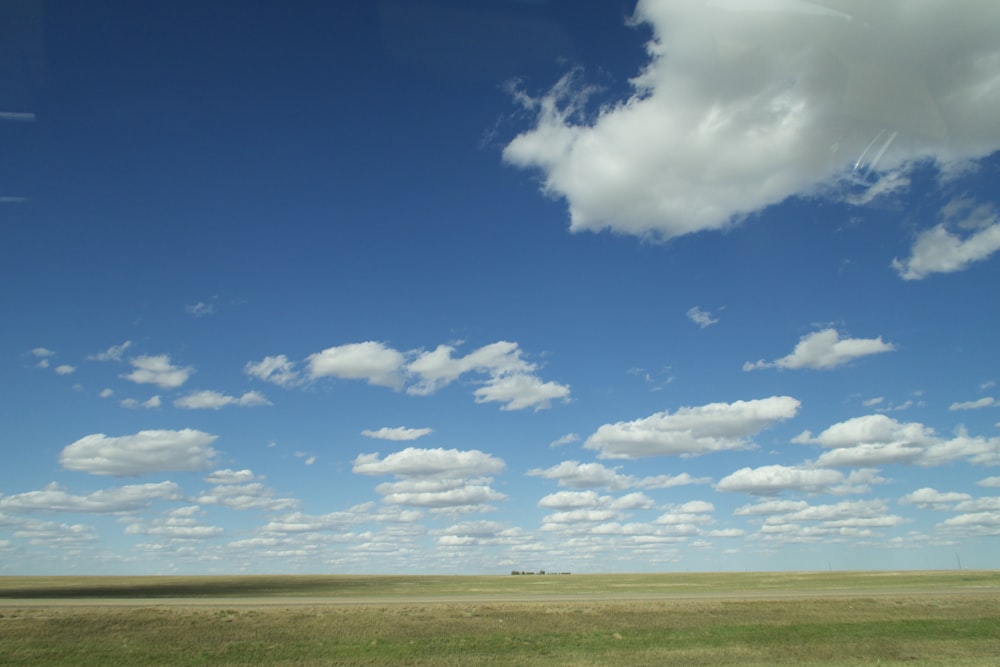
939	618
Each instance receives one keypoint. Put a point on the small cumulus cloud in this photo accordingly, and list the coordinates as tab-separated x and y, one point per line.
158	370
65	369
824	350
113	353
150	403
277	370
969	234
692	431
567	439
398	433
213	400
200	309
702	318
985	402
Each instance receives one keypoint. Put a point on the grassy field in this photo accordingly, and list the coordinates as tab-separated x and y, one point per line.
933	618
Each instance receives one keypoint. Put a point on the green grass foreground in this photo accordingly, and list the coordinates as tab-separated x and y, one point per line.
939	618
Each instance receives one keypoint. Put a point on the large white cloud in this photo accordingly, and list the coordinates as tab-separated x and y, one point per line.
825	349
745	104
692	431
144	452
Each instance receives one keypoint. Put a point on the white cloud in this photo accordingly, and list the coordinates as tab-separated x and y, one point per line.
577	475
178	524
878	439
278	370
106	393
511	381
397	433
200	309
149	404
240	490
774	479
159	371
42	352
54	498
113	353
985	402
444	480
213	400
825	349
371	361
65	369
567	439
990	482
943	249
521	390
144	452
744	105
428	462
702	318
932	499
692	431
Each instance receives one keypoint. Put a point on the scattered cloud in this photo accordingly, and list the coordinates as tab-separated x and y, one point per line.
510	380
144	452
835	522
113	353
442	480
776	479
106	393
54	498
567	439
65	369
180	524
371	361
702	318
985	402
213	400
42	352
783	106
158	370
242	490
932	499
576	475
200	309
132	404
278	370
878	439
692	431
823	350
397	433
969	234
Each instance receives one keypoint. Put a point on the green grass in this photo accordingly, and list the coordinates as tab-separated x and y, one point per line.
542	585
911	618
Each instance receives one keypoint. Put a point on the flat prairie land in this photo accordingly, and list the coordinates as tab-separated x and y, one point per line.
822	618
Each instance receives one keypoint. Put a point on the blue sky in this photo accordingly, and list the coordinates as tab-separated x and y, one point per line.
434	286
